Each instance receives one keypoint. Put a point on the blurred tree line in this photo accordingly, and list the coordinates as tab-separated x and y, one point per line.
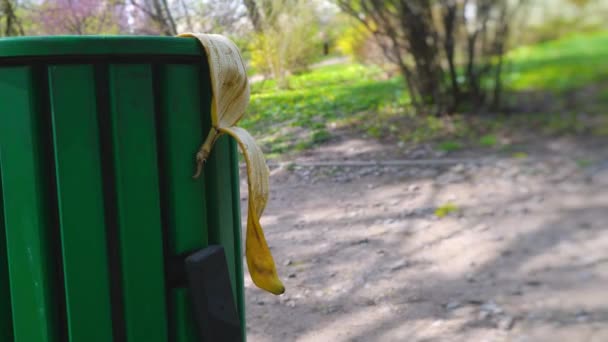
278	37
449	52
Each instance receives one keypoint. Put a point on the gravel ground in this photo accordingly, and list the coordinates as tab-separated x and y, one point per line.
364	257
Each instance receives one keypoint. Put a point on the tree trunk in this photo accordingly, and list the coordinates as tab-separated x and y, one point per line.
13	25
430	39
254	15
170	28
158	11
422	38
449	23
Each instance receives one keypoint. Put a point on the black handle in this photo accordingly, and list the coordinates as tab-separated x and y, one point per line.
211	295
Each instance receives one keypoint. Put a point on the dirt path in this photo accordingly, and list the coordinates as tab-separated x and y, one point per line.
365	258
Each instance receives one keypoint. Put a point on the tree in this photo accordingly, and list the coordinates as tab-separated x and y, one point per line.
217	16
551	19
447	50
158	13
78	17
10	23
254	14
287	40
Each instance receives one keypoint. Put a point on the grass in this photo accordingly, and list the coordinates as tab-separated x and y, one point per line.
446	209
489	140
520	155
300	116
583	163
359	98
449	146
560	65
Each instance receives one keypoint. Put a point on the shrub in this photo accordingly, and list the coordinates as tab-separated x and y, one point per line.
288	41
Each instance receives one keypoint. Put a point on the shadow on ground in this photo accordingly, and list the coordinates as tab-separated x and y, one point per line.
524	257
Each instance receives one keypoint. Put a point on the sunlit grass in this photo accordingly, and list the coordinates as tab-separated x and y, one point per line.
360	97
446	209
560	65
298	117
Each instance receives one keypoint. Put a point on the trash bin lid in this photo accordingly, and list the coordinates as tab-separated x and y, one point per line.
98	46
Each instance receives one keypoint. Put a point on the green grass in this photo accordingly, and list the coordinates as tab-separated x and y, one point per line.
583	163
446	209
300	116
450	146
520	155
489	140
560	65
358	98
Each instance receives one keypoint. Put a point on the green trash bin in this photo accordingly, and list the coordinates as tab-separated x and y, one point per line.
97	144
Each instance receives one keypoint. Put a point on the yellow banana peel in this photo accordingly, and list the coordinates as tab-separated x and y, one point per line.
230	98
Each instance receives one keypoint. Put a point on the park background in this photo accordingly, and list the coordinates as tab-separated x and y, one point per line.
438	168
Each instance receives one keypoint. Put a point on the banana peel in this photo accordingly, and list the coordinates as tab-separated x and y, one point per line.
230	98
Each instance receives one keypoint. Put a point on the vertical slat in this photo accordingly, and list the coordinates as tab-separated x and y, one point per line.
27	220
80	197
137	201
238	241
218	179
224	224
180	134
6	320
